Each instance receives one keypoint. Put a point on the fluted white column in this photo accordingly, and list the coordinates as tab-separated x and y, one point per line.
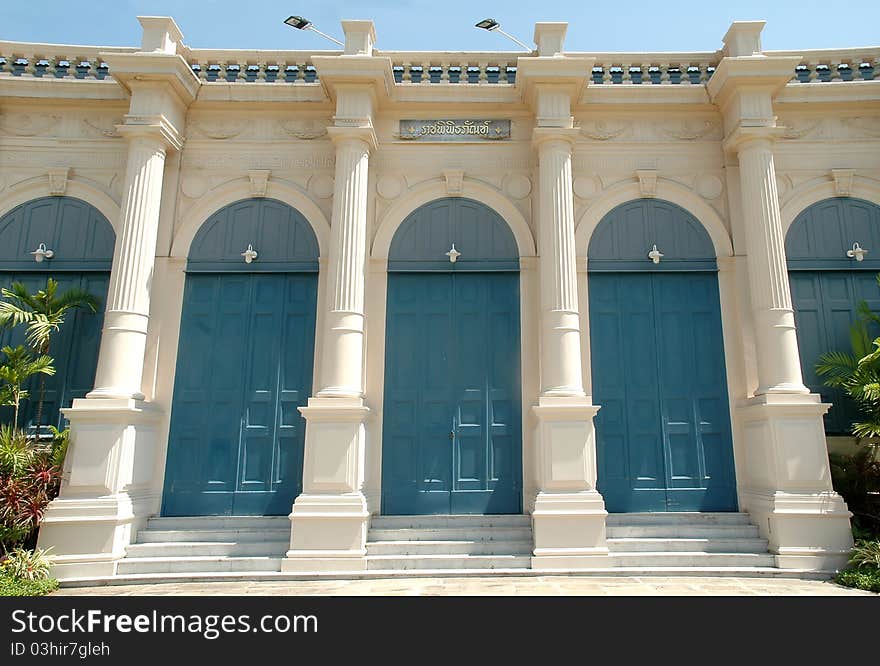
561	345
779	368
341	372
121	359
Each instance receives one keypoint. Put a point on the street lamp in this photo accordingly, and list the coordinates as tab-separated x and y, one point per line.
301	23
492	25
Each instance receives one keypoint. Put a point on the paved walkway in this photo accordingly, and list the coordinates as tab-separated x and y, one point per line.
488	586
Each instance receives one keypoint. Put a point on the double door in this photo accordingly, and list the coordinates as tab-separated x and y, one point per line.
452	433
244	367
663	431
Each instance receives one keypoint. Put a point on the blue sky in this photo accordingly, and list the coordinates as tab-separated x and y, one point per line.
634	25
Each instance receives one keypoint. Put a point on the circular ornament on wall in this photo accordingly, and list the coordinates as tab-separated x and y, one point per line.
194	186
321	186
709	186
517	186
585	187
389	187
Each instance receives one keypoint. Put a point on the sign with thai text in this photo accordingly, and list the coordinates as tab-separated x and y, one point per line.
454	130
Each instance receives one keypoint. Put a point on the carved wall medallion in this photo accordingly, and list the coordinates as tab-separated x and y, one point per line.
798	129
194	186
389	186
709	186
516	186
321	186
585	187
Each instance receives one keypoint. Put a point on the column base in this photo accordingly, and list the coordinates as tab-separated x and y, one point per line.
787	489
569	531
329	519
568	519
106	493
328	533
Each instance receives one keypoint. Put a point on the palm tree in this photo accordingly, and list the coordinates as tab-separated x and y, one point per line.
43	314
20	365
857	372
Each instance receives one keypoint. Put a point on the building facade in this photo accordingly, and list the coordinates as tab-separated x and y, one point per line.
361	292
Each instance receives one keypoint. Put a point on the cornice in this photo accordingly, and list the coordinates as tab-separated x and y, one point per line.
130	68
570	72
732	74
339	70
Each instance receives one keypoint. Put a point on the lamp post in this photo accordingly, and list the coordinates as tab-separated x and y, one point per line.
492	25
301	23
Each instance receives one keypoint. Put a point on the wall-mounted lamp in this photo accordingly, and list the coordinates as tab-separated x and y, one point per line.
42	253
655	255
858	252
250	254
301	23
453	254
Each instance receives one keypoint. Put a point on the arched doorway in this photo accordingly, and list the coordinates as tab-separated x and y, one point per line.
81	240
827	287
452	416
663	431
244	364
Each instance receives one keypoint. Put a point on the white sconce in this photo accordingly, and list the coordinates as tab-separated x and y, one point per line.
453	254
655	254
250	254
858	252
42	253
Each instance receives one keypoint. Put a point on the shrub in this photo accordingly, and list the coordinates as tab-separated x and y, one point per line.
866	554
27	564
15	587
862	579
30	476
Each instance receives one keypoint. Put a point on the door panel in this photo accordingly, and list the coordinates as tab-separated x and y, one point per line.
74	348
451	421
244	366
825	305
663	430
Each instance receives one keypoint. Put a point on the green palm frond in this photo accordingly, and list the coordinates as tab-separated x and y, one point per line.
75	297
837	367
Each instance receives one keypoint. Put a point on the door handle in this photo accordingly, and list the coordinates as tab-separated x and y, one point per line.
451	434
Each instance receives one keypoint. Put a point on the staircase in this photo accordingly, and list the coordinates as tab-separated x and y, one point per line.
214	545
640	544
710	543
399	543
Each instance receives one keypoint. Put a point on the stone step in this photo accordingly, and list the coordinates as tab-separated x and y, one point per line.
451	534
462	547
677	518
208	549
200	565
695	559
457	521
445	562
682	531
628	545
220	523
225	536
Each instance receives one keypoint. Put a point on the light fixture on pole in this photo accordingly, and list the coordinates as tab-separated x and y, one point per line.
492	25
301	23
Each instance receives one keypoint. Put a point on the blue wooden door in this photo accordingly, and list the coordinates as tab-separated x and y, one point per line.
825	305
82	241
244	367
452	434
663	431
74	347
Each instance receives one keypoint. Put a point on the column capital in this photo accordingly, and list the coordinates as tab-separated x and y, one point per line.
366	133
543	135
744	136
156	127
